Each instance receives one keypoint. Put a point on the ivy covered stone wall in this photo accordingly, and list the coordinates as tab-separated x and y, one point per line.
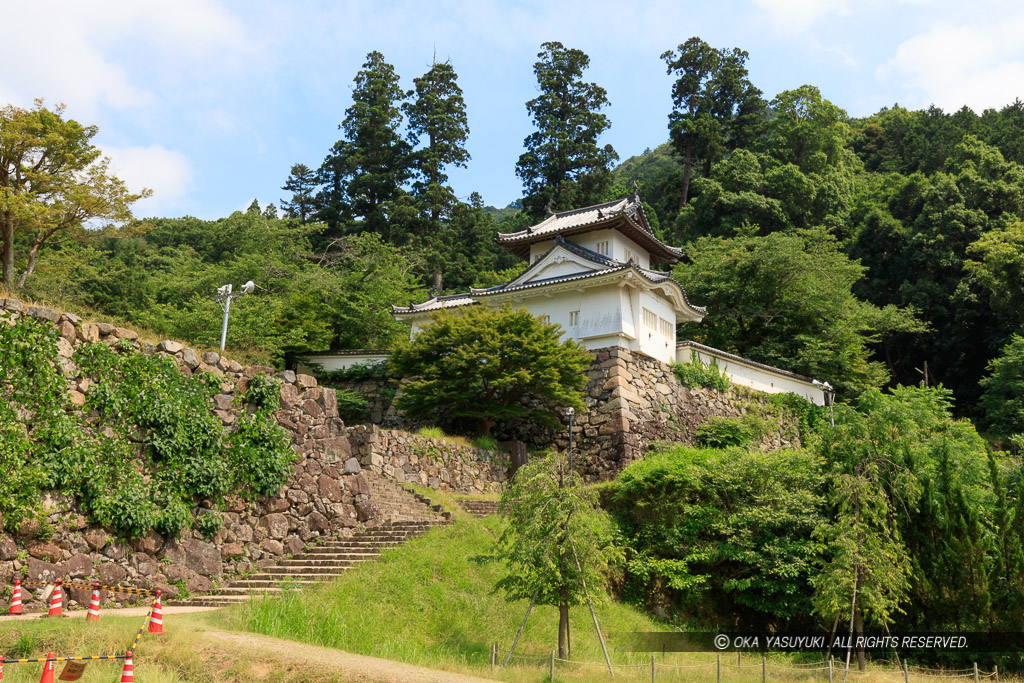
325	491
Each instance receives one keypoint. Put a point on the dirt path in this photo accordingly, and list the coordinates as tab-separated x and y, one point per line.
350	667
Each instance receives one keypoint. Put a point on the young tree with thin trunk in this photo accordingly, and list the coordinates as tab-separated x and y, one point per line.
53	180
557	545
563	166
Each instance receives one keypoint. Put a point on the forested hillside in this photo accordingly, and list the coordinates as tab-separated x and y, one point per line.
867	251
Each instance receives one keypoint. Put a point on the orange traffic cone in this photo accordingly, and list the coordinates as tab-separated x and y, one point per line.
48	669
128	672
156	621
16	598
94	604
56	601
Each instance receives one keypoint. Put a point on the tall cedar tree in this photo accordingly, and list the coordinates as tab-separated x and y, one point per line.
302	183
364	173
438	113
563	166
715	106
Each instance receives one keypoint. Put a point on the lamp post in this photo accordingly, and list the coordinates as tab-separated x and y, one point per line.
570	412
224	297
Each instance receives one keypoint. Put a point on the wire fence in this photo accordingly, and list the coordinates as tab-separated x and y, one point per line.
719	668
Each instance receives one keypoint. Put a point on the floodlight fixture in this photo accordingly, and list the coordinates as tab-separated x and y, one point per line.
224	297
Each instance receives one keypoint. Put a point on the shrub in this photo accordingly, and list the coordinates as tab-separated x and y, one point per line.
726	432
209	524
351	405
264	392
696	373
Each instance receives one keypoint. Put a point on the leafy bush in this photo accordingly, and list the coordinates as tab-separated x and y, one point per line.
726	432
351	405
810	417
264	392
696	373
356	373
209	524
260	456
173	518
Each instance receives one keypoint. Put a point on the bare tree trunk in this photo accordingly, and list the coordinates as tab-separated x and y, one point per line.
563	630
687	166
31	265
859	627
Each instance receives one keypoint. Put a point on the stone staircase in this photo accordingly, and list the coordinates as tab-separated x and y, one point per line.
480	508
404	515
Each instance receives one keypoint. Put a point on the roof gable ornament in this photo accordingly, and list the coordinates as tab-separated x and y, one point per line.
549	208
636	191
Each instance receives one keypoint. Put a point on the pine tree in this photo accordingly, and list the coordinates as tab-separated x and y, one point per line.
364	173
563	166
302	184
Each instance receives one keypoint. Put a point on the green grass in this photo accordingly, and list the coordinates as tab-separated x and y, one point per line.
429	602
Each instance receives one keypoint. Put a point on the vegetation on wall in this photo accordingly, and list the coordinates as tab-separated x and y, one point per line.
153	449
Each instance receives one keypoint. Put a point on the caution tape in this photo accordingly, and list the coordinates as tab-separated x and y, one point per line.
90	586
142	628
62	659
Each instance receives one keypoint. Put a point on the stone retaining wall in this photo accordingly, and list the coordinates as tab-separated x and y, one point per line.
437	463
326	494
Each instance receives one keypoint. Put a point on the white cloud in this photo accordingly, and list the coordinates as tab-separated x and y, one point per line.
797	16
167	172
978	64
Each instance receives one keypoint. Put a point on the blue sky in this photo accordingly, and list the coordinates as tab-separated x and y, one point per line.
210	103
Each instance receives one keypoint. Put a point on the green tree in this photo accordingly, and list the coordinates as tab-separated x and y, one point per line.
725	537
563	166
1002	400
52	181
364	174
557	545
715	106
437	113
785	299
302	183
487	364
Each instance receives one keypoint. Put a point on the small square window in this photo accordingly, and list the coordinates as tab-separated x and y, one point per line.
602	248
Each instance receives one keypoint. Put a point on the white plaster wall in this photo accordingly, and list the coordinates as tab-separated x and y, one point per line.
538	249
618	245
652	341
760	379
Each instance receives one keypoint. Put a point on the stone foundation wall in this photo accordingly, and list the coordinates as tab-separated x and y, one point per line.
326	494
437	463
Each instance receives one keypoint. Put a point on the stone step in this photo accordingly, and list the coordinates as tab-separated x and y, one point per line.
341	559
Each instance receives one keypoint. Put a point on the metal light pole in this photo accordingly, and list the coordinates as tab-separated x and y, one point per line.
224	297
570	412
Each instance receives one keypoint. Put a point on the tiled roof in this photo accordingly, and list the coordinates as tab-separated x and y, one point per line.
436	304
625	213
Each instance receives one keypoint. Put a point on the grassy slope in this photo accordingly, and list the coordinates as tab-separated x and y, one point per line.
430	603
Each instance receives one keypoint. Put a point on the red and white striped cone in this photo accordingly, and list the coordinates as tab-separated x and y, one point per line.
56	601
94	604
1	667
48	669
128	672
16	599
156	621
